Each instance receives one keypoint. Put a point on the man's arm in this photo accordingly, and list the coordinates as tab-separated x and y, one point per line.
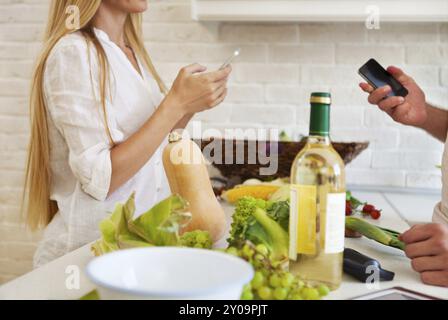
413	110
436	122
426	245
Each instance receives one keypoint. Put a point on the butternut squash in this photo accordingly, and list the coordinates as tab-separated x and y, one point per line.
188	177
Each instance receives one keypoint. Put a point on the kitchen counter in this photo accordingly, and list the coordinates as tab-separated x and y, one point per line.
59	279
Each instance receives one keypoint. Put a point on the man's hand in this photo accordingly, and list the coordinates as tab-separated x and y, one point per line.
427	247
408	111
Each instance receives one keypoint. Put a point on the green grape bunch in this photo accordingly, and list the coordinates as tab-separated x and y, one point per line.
271	280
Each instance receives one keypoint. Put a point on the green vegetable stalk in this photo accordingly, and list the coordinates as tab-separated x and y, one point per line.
261	222
279	238
383	236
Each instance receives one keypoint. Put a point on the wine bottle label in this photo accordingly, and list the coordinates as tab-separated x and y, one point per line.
335	223
303	223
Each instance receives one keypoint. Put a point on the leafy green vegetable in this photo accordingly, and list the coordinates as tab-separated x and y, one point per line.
108	230
129	242
115	232
196	239
279	211
253	221
158	227
242	218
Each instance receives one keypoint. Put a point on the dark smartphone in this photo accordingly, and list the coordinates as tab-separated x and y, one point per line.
378	77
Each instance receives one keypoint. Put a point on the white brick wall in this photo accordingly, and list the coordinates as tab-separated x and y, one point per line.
281	63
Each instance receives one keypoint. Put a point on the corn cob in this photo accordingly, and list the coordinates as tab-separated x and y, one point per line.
383	236
258	192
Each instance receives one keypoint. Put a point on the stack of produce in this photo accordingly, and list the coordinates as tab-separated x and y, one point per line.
259	234
279	190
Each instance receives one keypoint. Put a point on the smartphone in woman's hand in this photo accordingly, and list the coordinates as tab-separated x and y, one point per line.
229	60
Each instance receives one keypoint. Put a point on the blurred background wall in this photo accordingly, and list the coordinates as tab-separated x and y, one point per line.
280	65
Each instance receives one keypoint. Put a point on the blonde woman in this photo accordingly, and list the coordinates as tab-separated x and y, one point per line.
100	115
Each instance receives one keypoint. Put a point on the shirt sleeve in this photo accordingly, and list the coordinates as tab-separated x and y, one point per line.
71	91
439	216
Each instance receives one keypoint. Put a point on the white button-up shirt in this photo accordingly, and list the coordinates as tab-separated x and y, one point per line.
80	148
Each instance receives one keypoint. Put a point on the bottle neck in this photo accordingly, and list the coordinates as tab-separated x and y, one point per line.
317	139
320	120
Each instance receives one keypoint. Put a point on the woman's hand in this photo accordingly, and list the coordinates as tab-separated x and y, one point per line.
195	91
427	247
408	111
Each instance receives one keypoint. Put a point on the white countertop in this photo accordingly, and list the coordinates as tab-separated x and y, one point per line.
50	281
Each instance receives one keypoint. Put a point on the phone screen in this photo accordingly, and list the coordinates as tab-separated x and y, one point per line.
378	77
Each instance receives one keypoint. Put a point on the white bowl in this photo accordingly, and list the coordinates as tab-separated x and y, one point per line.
169	273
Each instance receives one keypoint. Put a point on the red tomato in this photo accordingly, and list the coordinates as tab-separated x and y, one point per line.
375	214
368	208
348	208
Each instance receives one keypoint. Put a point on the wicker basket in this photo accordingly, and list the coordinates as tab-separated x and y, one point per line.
286	151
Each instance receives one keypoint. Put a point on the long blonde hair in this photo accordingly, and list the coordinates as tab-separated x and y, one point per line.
39	209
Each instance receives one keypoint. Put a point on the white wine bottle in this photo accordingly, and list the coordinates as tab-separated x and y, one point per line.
317	213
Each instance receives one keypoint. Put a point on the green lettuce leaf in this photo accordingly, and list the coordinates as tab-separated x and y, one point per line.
160	226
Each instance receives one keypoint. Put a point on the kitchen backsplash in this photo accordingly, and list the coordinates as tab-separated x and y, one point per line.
280	65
